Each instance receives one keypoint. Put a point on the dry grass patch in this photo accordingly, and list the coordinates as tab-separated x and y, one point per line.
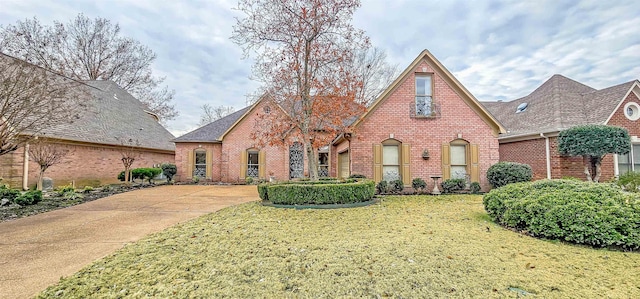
414	246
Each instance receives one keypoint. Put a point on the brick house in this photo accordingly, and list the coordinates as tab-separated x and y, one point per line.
425	110
94	152
534	122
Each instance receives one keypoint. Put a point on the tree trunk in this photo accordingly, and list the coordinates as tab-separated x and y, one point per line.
312	161
39	183
597	162
586	160
126	175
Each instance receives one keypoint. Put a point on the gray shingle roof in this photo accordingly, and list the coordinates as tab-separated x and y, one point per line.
558	104
113	113
212	132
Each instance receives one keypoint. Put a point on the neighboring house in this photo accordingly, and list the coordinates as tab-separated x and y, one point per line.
424	110
534	122
94	152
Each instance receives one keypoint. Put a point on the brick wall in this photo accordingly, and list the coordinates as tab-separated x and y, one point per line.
533	152
84	165
392	117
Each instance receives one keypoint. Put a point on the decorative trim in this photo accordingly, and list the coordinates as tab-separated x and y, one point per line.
635	111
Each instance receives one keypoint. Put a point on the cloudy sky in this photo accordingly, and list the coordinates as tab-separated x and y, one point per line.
500	50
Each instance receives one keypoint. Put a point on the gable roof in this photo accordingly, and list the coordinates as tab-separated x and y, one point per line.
114	113
214	131
558	104
438	67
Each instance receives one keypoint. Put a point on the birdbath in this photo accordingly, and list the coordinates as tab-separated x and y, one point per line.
435	191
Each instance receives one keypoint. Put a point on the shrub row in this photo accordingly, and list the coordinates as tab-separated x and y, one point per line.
503	173
27	198
599	215
318	193
142	174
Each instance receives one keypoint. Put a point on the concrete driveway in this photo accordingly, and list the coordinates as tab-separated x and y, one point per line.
36	251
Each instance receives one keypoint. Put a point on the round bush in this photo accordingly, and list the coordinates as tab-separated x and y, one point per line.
504	173
317	193
579	212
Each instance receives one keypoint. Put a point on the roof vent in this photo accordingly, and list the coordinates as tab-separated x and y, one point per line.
522	107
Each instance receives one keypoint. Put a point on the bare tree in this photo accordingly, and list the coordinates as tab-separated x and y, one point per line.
211	114
304	54
129	152
375	73
87	49
33	99
46	154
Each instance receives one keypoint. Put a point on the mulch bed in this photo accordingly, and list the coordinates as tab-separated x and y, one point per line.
52	201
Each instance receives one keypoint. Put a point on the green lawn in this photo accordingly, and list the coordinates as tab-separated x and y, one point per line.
413	246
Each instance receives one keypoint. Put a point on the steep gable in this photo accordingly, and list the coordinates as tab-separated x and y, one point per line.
439	69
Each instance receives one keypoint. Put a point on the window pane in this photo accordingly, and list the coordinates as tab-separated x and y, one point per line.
423	105
636	153
423	85
458	155
390	173
390	155
458	172
323	158
623	159
201	157
623	168
253	158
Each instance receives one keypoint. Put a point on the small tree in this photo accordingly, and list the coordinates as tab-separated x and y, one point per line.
593	142
129	152
169	170
46	155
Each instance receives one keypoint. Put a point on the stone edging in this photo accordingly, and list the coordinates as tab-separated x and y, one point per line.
327	206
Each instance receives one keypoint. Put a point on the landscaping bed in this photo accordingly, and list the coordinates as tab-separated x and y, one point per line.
53	201
403	247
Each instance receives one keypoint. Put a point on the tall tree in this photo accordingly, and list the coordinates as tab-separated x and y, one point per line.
593	142
211	114
33	99
304	51
46	154
87	49
376	74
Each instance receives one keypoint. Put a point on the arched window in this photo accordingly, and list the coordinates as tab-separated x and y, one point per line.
391	159
459	153
252	163
200	163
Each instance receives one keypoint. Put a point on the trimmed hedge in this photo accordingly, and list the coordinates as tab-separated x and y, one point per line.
141	174
317	193
600	215
452	185
503	173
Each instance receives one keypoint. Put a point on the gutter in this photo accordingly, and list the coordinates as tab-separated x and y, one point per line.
548	154
25	168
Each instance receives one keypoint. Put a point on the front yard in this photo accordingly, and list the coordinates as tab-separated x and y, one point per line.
412	246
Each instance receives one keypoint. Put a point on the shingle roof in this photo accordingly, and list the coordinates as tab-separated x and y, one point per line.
212	132
113	113
558	104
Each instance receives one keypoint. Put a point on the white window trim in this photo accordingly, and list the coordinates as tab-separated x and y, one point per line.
616	168
636	109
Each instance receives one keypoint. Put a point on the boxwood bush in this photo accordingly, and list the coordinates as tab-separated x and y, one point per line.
317	193
451	185
600	215
503	173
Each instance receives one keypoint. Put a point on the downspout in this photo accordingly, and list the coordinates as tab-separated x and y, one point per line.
25	168
548	154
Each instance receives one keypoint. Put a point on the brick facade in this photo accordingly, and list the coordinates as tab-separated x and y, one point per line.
532	151
86	164
392	119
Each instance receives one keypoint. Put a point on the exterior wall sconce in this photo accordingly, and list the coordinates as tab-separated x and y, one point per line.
425	154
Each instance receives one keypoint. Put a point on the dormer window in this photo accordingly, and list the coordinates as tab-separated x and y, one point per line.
424	93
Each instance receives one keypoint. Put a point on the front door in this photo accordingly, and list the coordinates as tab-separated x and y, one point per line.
296	161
